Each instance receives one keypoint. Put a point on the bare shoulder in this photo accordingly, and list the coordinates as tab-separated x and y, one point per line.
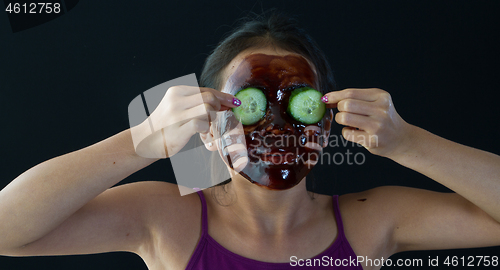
164	207
174	224
372	202
127	217
368	218
380	203
395	219
157	199
161	196
376	200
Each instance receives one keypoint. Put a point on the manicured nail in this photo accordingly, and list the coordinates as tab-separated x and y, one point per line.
324	99
236	102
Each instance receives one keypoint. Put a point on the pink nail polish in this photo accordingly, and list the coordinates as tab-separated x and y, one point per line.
324	99
236	102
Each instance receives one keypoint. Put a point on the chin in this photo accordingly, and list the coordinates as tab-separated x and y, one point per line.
275	177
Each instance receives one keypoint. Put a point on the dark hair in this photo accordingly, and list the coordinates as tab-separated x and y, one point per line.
276	30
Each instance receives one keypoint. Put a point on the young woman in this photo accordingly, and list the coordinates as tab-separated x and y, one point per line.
264	218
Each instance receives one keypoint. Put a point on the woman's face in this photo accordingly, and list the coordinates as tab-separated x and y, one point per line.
278	151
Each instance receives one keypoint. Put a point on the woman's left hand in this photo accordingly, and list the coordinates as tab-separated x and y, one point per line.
370	119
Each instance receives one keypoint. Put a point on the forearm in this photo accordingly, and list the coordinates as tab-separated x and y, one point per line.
41	198
470	172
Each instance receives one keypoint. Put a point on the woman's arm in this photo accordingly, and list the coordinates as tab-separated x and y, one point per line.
422	219
50	209
472	173
40	199
372	120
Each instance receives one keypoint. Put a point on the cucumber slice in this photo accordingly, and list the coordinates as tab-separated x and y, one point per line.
305	105
253	106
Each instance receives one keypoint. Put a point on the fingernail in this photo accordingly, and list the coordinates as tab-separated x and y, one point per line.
236	102
324	99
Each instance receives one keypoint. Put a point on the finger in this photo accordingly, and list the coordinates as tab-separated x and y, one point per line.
315	133
203	112
353	120
313	146
357	106
207	97
184	90
204	97
354	135
194	126
333	98
178	139
360	137
312	160
312	130
226	100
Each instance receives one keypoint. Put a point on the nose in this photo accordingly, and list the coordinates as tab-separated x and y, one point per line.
277	122
274	129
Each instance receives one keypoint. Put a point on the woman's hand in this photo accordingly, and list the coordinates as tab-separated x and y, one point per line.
473	174
183	111
370	119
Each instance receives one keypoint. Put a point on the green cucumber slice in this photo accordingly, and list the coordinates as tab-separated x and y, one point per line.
305	105
253	106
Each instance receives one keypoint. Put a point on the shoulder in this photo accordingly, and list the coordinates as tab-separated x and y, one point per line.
162	202
127	217
371	202
376	196
382	201
419	219
153	196
173	222
391	219
161	205
369	217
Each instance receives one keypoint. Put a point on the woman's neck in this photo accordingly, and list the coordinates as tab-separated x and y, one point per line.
270	211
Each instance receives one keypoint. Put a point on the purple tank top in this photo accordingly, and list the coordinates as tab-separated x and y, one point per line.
210	255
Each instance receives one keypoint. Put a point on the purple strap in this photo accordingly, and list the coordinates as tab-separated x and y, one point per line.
204	219
338	217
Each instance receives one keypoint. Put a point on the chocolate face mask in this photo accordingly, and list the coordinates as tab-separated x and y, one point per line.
276	152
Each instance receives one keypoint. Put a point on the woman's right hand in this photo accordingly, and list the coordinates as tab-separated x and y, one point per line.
182	112
50	208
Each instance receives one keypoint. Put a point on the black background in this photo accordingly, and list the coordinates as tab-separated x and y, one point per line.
67	83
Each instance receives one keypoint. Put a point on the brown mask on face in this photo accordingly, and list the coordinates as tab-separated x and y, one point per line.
278	157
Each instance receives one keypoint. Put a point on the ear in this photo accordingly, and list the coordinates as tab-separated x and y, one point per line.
208	140
326	133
